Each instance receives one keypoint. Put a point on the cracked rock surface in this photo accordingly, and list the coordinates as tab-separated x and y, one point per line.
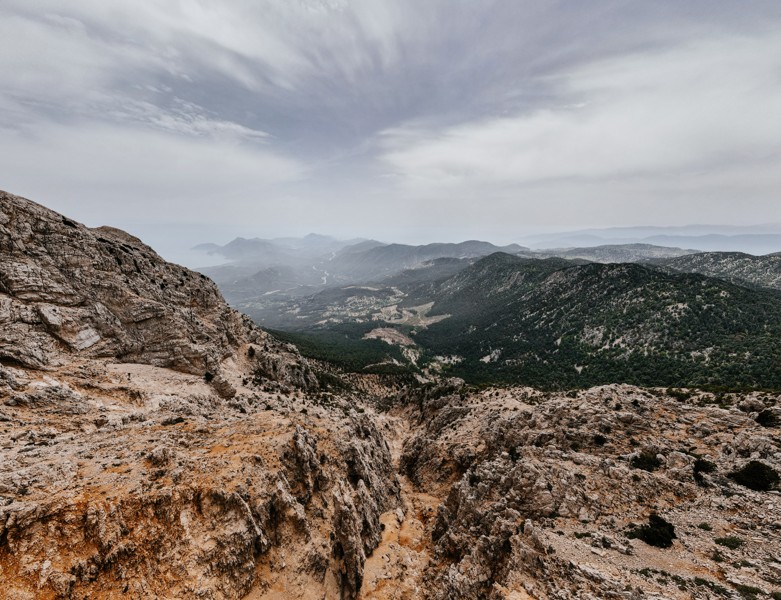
109	489
70	291
546	495
154	443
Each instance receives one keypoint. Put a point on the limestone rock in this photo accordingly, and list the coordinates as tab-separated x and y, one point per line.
67	290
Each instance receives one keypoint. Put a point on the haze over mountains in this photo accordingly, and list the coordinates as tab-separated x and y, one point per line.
357	259
294	266
753	239
632	312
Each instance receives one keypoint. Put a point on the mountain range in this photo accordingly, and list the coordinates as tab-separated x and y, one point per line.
262	273
556	322
155	443
637	313
260	276
756	239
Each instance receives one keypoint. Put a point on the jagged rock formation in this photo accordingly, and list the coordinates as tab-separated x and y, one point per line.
544	494
67	290
156	444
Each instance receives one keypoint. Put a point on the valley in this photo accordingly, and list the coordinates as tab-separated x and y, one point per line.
704	320
176	450
390	300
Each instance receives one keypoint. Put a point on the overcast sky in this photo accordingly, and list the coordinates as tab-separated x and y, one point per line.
417	120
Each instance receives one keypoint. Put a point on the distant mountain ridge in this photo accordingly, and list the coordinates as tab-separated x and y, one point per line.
616	253
560	323
255	249
393	258
297	266
266	272
757	239
737	267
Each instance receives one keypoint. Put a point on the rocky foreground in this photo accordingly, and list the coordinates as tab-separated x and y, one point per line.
612	492
133	480
155	444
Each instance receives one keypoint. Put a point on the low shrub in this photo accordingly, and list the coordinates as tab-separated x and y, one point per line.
747	591
701	466
732	542
756	476
767	418
680	395
658	532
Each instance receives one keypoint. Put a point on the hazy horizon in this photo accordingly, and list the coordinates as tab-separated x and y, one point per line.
177	242
186	123
728	238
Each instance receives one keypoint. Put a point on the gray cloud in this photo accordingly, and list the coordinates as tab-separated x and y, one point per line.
406	120
708	105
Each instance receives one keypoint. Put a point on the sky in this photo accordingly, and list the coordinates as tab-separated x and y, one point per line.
187	121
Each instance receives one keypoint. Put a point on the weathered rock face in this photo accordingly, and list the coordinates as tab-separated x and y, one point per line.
155	444
137	481
67	290
540	493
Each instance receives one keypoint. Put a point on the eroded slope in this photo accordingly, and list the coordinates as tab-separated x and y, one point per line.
135	480
548	495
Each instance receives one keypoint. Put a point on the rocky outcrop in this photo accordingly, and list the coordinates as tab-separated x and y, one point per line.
543	495
155	444
134	480
67	291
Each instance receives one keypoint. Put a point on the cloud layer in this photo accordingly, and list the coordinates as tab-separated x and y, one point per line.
404	120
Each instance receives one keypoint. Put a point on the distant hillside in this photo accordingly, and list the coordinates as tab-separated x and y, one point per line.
266	250
555	323
546	323
759	239
377	262
361	303
429	272
618	253
744	269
